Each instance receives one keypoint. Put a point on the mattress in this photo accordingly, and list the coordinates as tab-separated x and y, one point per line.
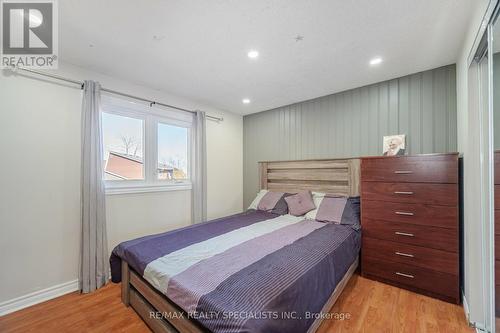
249	272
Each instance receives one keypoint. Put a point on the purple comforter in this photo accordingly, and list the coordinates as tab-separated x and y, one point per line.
250	272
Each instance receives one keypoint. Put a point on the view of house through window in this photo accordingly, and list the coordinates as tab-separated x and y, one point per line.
123	147
144	147
172	152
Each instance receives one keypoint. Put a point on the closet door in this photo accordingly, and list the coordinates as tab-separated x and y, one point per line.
478	179
495	81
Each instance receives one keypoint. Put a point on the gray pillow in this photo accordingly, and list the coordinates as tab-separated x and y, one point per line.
281	207
351	215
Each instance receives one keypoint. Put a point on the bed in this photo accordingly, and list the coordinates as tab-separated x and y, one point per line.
251	272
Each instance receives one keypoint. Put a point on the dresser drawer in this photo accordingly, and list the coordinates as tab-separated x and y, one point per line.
497	168
496	196
428	236
413	169
438	216
437	260
497	300
435	194
497	271
497	221
497	248
412	276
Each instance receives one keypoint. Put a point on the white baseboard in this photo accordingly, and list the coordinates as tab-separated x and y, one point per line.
479	328
466	309
37	297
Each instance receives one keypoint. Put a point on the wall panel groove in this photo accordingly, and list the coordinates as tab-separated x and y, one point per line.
352	123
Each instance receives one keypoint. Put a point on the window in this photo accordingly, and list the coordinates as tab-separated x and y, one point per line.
123	142
172	152
145	149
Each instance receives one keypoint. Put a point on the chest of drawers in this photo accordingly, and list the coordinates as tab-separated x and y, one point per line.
409	215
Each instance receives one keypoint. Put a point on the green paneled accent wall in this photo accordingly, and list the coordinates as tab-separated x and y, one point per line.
352	123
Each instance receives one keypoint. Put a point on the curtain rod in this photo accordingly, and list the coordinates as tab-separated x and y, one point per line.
80	83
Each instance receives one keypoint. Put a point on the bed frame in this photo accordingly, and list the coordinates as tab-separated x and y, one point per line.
335	176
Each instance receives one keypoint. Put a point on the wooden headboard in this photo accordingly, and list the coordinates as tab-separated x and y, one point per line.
336	176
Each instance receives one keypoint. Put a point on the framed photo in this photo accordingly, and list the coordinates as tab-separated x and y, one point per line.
394	145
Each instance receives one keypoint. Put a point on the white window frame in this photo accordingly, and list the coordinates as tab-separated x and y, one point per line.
151	117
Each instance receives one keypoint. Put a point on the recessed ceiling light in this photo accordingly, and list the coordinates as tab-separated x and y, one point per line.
252	54
375	61
246	101
158	37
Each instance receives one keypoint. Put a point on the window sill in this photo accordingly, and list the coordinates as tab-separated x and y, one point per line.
147	189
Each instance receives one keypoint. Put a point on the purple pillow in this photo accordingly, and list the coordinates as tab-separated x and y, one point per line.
274	202
331	209
269	200
300	203
341	210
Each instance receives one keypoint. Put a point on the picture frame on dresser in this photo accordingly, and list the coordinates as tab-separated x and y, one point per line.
410	222
394	145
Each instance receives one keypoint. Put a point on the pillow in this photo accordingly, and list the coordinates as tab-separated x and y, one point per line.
257	199
300	203
281	207
331	209
338	209
317	198
270	201
352	215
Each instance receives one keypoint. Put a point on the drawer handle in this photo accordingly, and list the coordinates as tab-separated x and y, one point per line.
403	193
403	172
405	213
404	234
404	254
405	275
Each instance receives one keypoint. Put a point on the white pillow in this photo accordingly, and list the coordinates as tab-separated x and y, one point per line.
317	198
257	199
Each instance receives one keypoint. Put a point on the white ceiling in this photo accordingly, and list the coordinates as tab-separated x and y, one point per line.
200	51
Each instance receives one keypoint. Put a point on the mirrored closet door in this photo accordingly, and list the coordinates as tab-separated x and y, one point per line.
482	283
495	81
481	74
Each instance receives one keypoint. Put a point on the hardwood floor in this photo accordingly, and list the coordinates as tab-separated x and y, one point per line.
378	307
372	307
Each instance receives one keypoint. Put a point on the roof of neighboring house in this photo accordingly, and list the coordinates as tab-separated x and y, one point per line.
123	166
134	158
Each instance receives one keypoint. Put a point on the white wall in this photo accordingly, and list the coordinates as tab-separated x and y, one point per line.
40	180
468	143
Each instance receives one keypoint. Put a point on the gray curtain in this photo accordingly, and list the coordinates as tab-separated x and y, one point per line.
94	264
199	169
